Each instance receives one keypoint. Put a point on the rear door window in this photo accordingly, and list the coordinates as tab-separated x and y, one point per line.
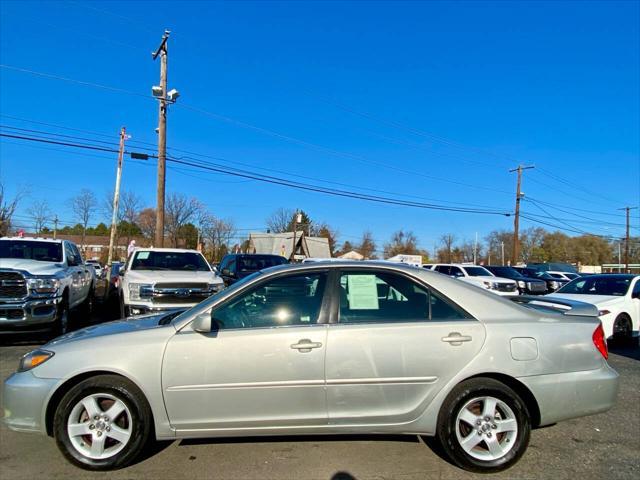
382	297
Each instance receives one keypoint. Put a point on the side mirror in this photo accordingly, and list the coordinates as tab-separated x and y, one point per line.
227	273
121	271
202	323
635	295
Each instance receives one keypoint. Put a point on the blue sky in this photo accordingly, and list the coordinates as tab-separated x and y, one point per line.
453	94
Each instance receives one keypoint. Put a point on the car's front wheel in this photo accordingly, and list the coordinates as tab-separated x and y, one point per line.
102	423
484	426
622	330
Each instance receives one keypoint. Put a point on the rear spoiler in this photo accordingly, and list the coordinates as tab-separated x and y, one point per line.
562	305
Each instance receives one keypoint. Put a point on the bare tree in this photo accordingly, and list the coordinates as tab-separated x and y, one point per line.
280	220
84	206
179	211
219	232
402	243
147	222
40	213
7	209
447	240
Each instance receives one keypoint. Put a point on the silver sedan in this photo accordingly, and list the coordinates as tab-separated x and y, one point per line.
338	347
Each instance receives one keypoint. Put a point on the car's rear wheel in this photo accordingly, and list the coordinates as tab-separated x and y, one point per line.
103	423
484	426
622	330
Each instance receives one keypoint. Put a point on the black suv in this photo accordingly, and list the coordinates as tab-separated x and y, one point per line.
553	283
526	285
235	266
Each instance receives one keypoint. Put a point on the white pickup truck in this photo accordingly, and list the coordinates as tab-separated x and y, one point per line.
478	276
156	279
42	279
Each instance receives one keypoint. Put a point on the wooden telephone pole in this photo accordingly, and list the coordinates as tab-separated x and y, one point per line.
162	139
626	241
516	221
116	195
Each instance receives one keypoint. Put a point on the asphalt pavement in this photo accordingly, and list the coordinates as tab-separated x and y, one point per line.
605	446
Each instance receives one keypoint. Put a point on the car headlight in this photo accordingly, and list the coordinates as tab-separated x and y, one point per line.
138	291
603	312
33	359
487	285
522	284
43	285
215	287
554	285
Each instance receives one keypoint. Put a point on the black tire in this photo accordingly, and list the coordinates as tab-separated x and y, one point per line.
141	422
449	428
63	318
124	310
88	305
623	331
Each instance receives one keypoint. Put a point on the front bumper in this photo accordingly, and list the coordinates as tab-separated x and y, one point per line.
505	294
37	313
575	394
143	309
24	398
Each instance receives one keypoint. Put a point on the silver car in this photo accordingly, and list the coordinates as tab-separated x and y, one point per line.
340	347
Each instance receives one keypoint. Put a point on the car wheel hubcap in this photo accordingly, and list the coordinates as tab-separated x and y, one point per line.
486	428
99	426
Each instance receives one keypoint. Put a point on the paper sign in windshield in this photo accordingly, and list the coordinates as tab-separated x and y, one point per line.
363	292
142	255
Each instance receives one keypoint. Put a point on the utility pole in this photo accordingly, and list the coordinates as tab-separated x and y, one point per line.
55	227
116	195
162	138
475	250
516	222
295	231
502	248
626	241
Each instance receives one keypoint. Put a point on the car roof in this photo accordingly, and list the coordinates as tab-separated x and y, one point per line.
175	250
34	239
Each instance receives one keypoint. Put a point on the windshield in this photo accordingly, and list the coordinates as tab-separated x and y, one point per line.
255	263
188	261
617	286
31	250
507	272
478	272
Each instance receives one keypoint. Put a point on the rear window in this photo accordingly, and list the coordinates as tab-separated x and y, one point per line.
616	286
253	264
31	250
150	260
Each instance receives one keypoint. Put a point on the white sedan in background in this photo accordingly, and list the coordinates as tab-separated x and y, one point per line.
617	297
478	276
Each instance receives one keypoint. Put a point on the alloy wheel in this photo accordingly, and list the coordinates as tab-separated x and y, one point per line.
99	426
486	428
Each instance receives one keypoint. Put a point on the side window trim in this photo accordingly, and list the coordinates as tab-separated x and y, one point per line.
325	303
418	281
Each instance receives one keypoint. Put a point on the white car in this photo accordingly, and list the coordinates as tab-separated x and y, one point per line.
156	279
617	297
478	276
563	275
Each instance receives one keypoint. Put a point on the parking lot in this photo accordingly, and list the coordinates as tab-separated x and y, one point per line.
601	446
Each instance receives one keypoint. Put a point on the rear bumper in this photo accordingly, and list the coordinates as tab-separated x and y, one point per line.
28	315
576	394
24	398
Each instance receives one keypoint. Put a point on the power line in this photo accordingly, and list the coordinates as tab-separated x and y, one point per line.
46	140
575	186
565	209
266	131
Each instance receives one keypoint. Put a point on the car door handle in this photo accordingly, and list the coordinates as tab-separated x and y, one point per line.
456	339
305	345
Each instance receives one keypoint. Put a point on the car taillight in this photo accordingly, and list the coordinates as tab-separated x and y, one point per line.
600	342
